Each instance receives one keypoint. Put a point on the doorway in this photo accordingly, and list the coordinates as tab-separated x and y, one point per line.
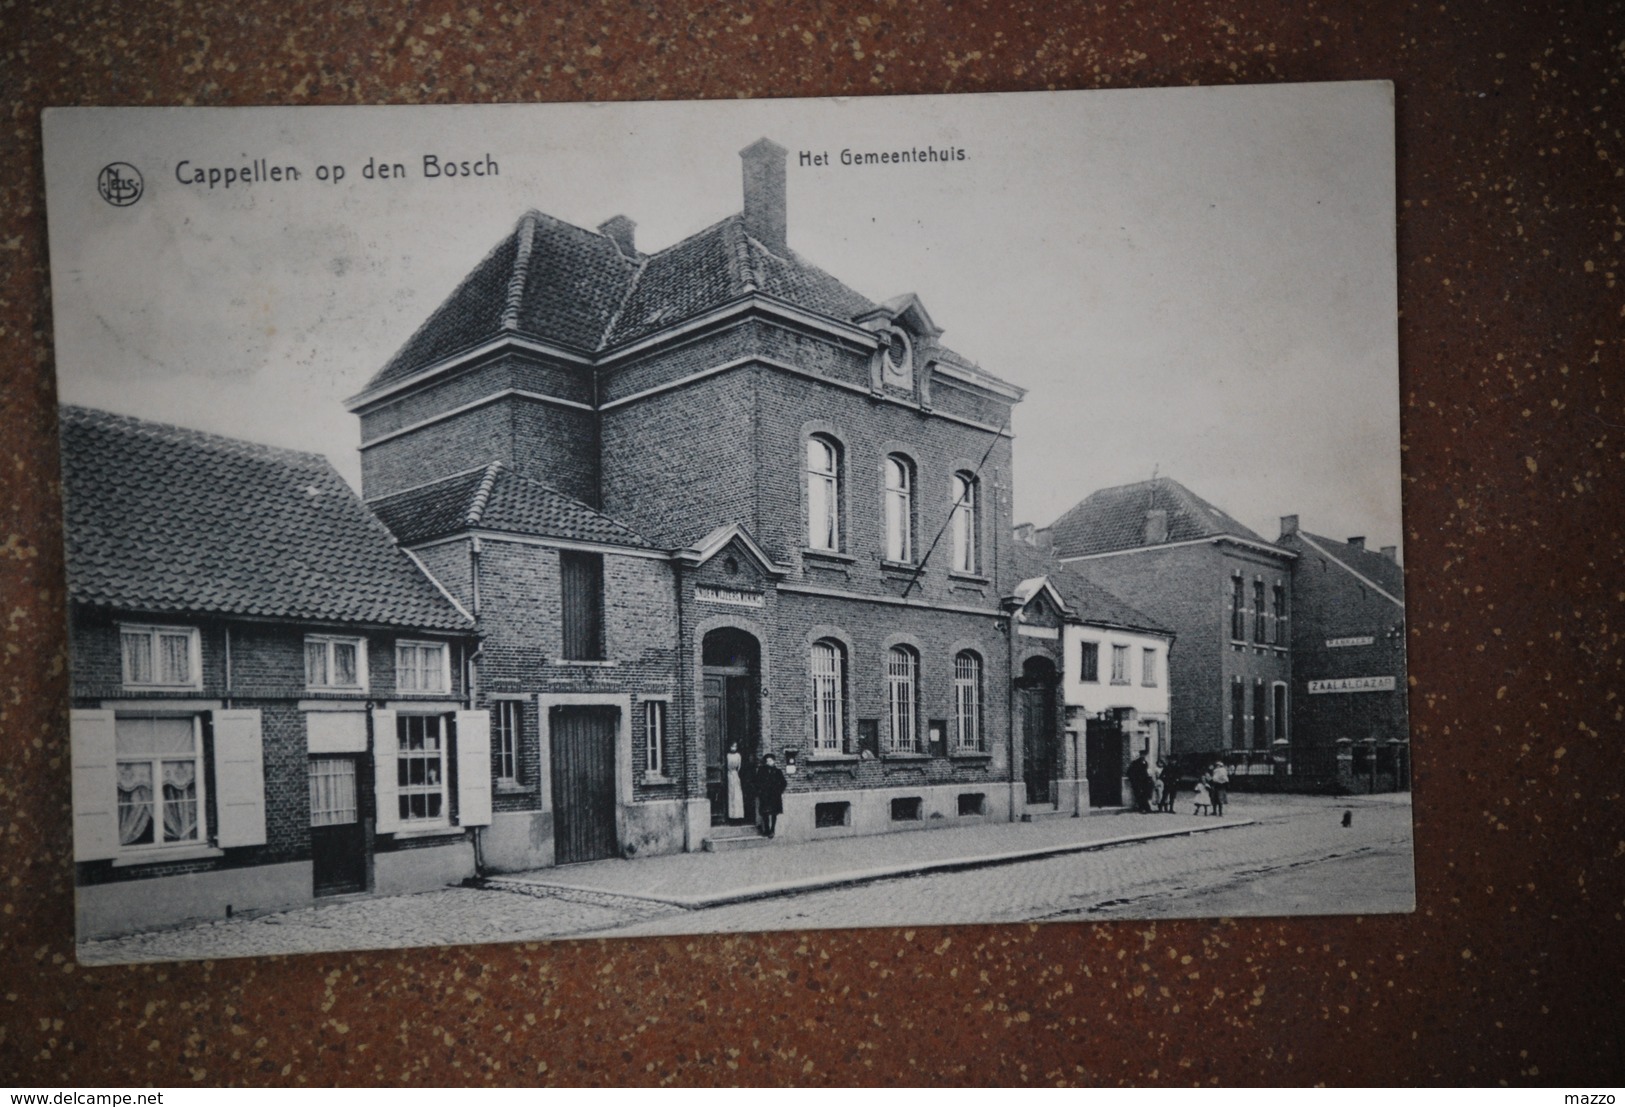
731	667
338	841
583	764
1103	761
1039	742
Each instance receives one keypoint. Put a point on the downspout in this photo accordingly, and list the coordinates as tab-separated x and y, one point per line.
1010	705
680	699
227	628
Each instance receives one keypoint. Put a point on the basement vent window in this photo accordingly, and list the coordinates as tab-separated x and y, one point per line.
971	803
827	815
905	810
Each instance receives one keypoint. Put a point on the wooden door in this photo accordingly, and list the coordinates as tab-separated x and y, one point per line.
1038	741
716	743
583	763
1103	762
338	848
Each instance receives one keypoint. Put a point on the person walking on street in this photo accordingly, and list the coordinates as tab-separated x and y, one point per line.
1221	786
770	785
1139	782
1168	775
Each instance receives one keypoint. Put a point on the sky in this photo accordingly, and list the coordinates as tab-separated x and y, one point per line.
1194	282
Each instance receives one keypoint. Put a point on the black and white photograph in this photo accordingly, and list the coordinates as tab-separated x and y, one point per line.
496	524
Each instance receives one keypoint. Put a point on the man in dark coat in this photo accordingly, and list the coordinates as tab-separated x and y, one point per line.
1139	782
770	785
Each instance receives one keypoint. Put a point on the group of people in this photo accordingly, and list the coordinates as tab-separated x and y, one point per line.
1157	791
768	785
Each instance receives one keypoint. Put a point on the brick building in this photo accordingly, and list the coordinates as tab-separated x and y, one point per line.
774	511
267	696
1348	655
1221	588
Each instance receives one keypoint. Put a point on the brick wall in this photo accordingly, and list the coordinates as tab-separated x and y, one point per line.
1333	604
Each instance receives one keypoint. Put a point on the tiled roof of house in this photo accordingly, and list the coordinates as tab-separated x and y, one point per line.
1114	519
496	498
1088	601
556	282
162	519
1374	566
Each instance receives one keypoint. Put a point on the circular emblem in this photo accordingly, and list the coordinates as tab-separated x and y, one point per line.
897	358
120	184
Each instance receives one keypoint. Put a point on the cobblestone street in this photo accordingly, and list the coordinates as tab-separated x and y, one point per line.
1177	873
1294	857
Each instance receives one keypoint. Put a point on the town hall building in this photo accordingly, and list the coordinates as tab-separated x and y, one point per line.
707	503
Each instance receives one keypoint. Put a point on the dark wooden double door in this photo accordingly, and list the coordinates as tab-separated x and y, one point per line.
730	719
1040	745
1103	762
583	776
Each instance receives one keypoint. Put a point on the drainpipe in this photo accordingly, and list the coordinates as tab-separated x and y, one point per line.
679	699
1010	705
227	628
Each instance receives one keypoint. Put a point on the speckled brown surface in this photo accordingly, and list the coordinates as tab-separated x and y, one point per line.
1511	179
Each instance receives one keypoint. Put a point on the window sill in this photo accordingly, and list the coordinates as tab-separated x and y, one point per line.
813	555
968	578
970	755
1120	684
904	755
513	788
831	758
438	830
334	692
170	688
160	856
908	568
658	778
591	663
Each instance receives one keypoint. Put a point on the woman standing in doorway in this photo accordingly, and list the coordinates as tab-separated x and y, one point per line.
736	793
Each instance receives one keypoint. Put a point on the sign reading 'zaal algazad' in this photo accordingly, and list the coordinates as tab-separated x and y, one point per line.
1353	684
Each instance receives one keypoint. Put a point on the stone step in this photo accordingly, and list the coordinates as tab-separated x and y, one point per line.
721	843
744	830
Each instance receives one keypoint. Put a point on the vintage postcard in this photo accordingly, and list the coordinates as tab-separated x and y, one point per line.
514	522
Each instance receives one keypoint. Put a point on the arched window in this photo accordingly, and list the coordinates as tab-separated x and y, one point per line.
963	492
902	696
899	509
828	671
823	493
968	701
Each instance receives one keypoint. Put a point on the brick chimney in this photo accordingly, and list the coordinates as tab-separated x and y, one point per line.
1156	526
1289	525
1358	541
1024	534
1391	553
765	193
620	230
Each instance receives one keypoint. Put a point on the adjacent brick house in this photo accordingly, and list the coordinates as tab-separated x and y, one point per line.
1348	651
1112	666
1225	592
267	695
799	505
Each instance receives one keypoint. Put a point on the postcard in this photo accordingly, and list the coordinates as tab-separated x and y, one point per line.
499	523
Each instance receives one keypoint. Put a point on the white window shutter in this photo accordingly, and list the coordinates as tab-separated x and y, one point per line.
239	778
473	768
386	786
95	785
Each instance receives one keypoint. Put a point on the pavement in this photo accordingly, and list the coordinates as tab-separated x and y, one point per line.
1052	868
694	881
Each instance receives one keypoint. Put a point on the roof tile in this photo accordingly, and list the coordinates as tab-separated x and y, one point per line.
163	519
496	498
1114	519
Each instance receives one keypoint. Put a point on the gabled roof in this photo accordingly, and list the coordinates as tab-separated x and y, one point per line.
495	498
1375	567
1114	519
554	282
161	519
720	538
1084	601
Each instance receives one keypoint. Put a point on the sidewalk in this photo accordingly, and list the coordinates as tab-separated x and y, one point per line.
699	880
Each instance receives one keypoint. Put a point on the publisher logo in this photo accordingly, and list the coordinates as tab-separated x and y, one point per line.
120	184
